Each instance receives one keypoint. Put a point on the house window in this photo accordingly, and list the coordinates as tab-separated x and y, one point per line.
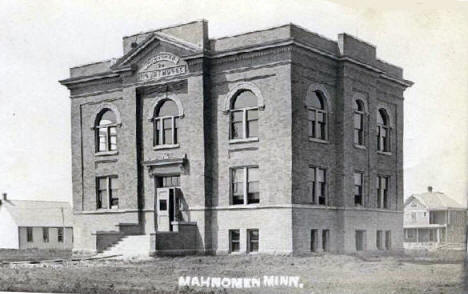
388	240
244	116
359	122
107	192
379	240
413	217
60	235
317	115
29	234
245	185
358	199
168	181
165	124
382	192
360	240
383	131
45	235
318	185
313	240
325	239
106	131
252	240
234	240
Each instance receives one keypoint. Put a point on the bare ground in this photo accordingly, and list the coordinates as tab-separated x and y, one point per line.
319	274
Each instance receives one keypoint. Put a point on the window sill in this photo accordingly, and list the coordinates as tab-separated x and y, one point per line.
362	147
253	205
106	153
319	141
384	153
163	147
245	140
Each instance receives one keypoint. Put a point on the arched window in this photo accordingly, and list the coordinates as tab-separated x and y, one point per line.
383	131
359	122
317	115
106	131
244	116
165	121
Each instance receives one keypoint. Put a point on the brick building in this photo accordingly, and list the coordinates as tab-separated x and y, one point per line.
276	141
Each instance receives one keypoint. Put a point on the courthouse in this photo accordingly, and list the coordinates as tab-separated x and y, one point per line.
275	141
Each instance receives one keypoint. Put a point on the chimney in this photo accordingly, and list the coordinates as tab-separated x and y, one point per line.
5	196
429	189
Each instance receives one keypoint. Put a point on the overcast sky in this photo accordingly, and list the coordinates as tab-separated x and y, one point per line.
40	40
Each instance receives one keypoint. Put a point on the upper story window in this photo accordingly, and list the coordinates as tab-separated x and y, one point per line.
359	115
318	185
383	131
106	131
317	115
244	116
245	185
165	120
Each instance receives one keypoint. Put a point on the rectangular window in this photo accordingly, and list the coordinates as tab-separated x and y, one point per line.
325	239
234	240
245	185
378	241
313	240
29	234
107	192
388	240
318	185
45	235
252	240
167	131
358	189
168	181
162	204
382	192
60	235
360	240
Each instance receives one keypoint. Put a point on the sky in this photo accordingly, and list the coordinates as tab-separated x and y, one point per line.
41	40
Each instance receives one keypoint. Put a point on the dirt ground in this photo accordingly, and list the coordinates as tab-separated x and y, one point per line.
319	274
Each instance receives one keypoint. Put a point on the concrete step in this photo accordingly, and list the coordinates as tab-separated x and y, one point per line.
129	246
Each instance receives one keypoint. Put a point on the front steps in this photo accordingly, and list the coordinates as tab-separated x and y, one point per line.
129	246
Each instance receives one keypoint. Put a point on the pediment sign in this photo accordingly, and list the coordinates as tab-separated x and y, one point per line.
160	66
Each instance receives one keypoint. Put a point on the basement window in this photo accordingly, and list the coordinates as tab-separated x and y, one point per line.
388	240
234	240
379	239
252	240
325	240
360	240
313	240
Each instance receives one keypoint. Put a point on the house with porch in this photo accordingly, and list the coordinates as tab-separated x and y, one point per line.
433	220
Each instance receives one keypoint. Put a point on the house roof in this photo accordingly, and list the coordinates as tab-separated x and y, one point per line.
435	201
28	213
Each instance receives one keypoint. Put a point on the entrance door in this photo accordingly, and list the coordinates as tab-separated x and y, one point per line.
167	208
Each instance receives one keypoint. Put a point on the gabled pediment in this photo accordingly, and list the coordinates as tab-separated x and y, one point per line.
152	41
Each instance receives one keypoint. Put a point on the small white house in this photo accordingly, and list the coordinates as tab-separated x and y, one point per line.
35	224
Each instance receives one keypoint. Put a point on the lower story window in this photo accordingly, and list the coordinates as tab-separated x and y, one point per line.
60	235
252	240
245	185
234	240
45	235
29	234
107	192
